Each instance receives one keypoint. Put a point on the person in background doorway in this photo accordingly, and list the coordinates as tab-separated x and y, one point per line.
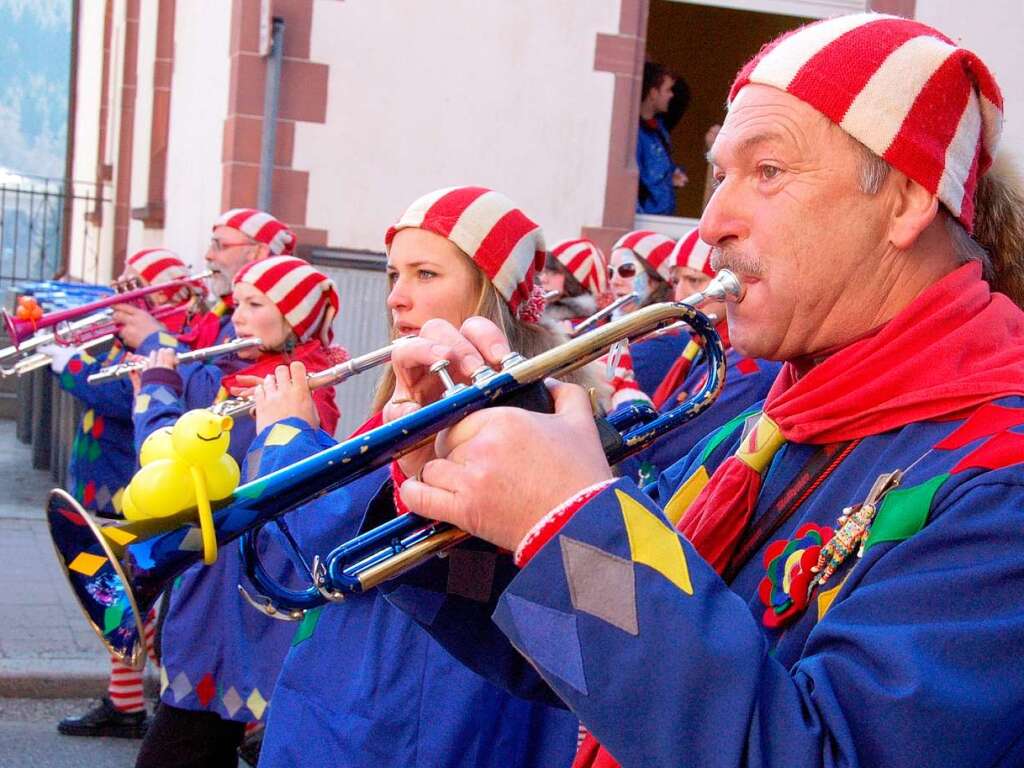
665	99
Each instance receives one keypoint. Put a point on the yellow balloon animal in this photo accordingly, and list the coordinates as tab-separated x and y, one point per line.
184	466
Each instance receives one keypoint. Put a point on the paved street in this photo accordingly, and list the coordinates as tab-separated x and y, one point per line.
50	660
28	738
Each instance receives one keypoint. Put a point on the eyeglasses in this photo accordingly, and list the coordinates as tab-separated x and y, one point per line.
626	270
217	246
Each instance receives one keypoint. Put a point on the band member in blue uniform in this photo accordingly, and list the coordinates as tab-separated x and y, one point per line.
221	658
395	697
843	587
103	461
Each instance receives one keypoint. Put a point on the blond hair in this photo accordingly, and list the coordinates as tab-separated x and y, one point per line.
528	339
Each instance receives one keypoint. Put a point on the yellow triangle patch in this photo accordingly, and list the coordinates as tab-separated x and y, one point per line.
281	434
684	496
826	598
654	544
141	403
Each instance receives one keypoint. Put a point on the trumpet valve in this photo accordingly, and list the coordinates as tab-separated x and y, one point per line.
440	369
511	359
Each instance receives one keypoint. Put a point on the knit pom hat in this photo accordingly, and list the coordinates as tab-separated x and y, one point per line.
585	262
906	91
694	253
158	265
489	228
261	227
305	296
652	247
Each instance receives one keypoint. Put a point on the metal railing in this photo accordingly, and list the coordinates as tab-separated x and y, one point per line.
36	216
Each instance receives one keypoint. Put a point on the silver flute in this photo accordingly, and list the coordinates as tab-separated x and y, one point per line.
591	322
243	406
119	371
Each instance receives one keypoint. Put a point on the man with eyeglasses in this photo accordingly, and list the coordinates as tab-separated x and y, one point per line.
239	236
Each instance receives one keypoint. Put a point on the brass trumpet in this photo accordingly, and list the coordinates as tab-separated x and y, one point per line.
117	571
119	371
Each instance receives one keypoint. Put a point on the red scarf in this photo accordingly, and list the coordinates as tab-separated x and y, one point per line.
316	358
681	367
954	348
205	328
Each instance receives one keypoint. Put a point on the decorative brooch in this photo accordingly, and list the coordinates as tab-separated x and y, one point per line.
796	566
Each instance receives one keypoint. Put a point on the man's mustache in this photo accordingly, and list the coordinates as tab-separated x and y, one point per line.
740	263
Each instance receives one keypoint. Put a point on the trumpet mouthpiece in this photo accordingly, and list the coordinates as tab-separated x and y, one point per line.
731	287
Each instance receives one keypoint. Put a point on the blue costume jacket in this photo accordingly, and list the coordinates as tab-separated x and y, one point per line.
219	654
653	358
102	457
363	685
747	382
909	655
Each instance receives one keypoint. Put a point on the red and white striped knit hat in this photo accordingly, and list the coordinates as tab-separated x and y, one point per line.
694	253
157	265
652	247
261	227
489	228
906	91
306	297
585	262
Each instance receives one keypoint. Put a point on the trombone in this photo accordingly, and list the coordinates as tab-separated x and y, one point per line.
119	371
117	571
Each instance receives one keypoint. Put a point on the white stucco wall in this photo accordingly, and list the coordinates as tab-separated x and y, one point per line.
994	30
83	251
425	95
138	236
199	102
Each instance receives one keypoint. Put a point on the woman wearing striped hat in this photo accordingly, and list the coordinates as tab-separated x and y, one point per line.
103	460
220	657
640	264
363	685
577	272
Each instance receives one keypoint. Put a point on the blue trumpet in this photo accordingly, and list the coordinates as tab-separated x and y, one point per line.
117	571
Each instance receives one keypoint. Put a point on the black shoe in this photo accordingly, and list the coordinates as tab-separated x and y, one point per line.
105	720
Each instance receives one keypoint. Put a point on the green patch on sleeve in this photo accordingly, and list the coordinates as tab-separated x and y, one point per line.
724	432
308	625
904	512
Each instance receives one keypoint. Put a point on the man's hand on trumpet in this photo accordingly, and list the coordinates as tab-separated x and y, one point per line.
282	394
500	470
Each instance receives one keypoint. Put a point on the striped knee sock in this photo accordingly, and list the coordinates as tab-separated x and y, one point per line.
125	689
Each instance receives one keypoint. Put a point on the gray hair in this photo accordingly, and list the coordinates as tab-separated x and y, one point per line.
873	172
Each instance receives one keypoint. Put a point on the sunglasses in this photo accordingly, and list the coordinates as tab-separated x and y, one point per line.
626	270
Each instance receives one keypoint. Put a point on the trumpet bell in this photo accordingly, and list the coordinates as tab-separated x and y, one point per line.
117	571
97	578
